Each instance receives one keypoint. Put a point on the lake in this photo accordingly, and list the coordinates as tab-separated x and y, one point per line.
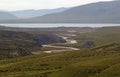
44	25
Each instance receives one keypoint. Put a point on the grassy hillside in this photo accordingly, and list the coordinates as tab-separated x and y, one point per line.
105	35
97	37
93	63
101	60
14	43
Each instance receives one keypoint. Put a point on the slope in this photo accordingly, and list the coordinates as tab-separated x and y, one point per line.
6	16
100	61
101	12
34	13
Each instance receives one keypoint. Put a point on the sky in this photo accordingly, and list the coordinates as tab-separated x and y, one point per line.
11	5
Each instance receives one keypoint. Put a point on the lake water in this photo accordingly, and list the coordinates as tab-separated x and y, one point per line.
39	25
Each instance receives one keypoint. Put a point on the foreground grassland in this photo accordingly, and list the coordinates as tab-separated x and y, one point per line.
68	64
99	60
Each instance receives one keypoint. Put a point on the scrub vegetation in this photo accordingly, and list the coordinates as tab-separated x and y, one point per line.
102	59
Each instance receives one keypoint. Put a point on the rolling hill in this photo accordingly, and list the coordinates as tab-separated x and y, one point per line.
101	12
34	13
14	43
103	60
6	16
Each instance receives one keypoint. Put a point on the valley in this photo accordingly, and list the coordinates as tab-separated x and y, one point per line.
59	38
59	48
16	43
75	52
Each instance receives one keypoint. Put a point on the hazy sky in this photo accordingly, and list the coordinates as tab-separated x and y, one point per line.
41	4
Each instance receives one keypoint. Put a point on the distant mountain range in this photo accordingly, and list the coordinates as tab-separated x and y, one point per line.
6	15
100	12
34	13
96	12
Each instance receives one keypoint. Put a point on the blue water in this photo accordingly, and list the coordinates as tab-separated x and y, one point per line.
37	25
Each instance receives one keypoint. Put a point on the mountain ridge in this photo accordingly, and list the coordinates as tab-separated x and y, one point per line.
6	15
34	13
94	12
99	12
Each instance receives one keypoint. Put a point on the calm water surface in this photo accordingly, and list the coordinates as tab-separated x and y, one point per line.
37	25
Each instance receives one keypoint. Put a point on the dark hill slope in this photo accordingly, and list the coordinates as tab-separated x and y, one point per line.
104	12
48	39
14	43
